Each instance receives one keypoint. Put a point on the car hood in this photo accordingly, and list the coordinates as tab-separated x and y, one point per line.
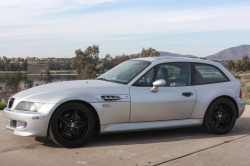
85	90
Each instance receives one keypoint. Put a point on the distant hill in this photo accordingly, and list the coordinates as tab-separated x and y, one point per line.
233	53
162	53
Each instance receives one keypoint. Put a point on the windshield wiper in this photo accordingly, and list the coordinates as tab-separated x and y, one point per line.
102	79
111	80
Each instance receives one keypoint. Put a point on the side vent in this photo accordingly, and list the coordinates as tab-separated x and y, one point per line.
113	98
11	102
110	98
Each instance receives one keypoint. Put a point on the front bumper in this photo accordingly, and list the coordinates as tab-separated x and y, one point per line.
241	105
27	123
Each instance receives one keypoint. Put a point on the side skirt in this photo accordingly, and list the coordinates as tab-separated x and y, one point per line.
124	127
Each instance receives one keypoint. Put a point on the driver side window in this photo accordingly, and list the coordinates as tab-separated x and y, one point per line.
146	79
175	74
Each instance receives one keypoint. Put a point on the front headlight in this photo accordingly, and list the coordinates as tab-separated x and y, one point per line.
29	106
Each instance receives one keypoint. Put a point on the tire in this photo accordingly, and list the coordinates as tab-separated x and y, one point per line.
220	117
72	125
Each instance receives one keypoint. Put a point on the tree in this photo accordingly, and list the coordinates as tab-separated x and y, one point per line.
150	52
13	81
28	83
25	65
107	63
238	65
230	65
245	63
7	65
85	62
47	77
119	59
135	56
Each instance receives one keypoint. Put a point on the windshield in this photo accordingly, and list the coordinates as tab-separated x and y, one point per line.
124	72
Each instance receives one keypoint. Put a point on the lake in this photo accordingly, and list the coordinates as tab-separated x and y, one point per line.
55	78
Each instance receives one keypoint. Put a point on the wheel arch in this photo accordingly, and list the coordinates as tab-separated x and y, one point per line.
224	96
96	116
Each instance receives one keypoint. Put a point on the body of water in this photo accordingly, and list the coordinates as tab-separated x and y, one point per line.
55	78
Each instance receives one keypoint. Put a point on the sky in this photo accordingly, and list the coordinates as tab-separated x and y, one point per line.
56	28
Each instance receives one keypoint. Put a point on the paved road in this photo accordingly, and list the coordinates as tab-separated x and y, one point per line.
186	146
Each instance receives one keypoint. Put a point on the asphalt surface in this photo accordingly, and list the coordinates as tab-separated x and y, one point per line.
185	146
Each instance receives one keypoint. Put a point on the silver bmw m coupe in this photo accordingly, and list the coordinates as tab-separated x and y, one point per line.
138	94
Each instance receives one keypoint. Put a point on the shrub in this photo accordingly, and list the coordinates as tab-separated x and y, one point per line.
5	94
237	76
246	94
2	105
243	84
13	83
246	77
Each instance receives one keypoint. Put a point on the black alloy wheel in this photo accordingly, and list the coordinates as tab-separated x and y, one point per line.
221	116
72	125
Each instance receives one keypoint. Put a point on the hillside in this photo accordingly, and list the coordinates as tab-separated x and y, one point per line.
233	53
162	53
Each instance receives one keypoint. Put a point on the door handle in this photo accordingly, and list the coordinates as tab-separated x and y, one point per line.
187	94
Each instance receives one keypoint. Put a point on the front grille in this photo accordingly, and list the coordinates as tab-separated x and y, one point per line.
11	102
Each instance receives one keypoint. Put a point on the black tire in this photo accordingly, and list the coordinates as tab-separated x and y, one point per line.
220	117
72	125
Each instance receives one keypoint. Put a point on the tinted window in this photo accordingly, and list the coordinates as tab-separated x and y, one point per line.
175	74
205	74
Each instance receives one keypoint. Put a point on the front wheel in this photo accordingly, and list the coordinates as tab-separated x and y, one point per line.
72	125
220	117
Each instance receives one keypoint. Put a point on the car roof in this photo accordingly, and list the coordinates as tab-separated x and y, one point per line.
151	59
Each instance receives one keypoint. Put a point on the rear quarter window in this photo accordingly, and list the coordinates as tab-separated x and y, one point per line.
206	74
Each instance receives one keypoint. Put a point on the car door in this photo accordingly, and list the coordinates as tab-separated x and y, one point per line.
176	100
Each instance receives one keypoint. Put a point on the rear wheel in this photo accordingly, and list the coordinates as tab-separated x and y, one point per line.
72	125
221	116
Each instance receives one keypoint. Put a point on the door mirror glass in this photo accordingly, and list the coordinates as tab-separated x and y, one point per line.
158	83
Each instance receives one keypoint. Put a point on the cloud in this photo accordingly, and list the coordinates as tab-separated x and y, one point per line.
121	21
92	2
58	21
49	3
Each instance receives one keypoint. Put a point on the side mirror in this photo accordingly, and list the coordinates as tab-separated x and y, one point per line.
157	84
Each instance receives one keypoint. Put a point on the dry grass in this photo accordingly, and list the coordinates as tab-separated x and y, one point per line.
244	79
246	94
